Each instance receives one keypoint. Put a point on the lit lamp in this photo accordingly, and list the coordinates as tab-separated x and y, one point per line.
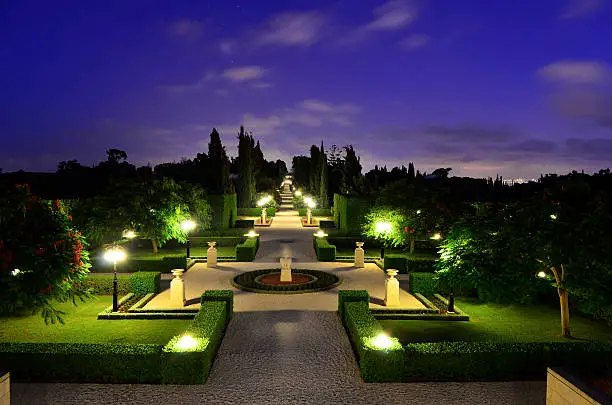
129	234
251	234
542	274
298	193
188	226
114	255
382	228
320	234
437	236
310	204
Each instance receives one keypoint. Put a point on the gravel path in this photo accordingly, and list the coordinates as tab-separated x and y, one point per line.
284	357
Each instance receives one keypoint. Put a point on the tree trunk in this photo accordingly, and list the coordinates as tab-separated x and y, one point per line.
412	245
565	318
155	245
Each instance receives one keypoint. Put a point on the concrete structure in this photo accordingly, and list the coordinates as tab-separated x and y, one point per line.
564	389
392	290
211	255
285	269
5	388
177	289
359	255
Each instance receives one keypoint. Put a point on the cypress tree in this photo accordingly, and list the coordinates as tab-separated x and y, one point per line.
411	171
218	165
315	171
246	169
323	186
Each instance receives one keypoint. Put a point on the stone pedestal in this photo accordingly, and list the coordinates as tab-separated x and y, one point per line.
177	289
392	289
5	388
359	255
264	216
308	216
211	255
285	269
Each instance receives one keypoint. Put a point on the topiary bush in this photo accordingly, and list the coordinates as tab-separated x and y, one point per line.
145	282
351	296
226	296
325	252
423	283
395	261
245	252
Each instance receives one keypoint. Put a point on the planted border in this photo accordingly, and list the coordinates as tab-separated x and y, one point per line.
324	281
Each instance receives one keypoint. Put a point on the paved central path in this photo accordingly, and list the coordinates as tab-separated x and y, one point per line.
284	349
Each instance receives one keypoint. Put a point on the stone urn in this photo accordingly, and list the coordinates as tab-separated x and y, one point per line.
392	289
359	255
211	255
177	289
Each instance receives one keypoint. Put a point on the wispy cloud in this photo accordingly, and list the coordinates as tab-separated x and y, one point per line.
580	90
244	73
576	72
261	85
414	42
581	8
293	29
186	28
393	15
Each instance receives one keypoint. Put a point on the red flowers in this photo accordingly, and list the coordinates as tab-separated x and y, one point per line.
46	290
406	229
40	251
58	204
69	217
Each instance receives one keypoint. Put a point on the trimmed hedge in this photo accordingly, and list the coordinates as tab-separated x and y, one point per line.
245	252
504	360
145	282
316	212
224	210
325	252
221	240
349	212
395	261
424	283
163	264
226	296
103	285
375	364
245	223
82	362
351	296
192	366
327	224
256	212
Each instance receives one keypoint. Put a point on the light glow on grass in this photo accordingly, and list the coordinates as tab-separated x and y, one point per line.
383	342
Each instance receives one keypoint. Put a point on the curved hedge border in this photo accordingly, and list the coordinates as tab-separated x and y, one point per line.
324	281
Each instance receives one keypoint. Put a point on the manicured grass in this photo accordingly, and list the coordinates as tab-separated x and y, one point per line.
81	326
495	322
147	254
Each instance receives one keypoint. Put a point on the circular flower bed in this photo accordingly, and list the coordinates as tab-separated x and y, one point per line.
267	281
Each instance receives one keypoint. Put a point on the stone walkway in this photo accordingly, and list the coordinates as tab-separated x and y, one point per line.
284	349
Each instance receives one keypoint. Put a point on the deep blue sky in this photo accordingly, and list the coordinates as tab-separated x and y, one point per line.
483	86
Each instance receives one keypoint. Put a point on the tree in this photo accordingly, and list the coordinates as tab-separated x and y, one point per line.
352	172
384	223
246	169
323	199
300	168
115	156
218	165
411	174
315	170
42	257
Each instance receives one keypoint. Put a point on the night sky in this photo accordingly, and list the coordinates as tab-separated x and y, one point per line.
517	88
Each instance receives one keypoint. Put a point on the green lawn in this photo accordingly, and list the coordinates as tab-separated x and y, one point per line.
147	254
537	323
81	326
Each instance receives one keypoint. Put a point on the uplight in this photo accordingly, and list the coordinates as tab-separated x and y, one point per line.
418	211
129	234
15	272
186	343
436	236
188	225
251	234
384	227
553	216
298	193
382	341
542	274
320	234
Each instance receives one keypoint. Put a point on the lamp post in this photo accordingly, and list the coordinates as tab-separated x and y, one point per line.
114	255
382	228
188	226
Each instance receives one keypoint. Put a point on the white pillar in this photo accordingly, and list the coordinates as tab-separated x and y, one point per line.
177	289
211	255
308	216
285	269
359	255
392	289
263	216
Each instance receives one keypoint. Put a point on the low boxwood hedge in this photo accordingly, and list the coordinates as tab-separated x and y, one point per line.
245	252
161	263
376	364
316	212
351	296
226	296
81	362
145	282
503	360
103	284
395	261
325	252
327	224
192	365
245	223
424	283
256	212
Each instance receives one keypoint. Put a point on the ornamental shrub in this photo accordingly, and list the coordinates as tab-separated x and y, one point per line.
245	252
42	256
424	283
325	252
345	296
144	282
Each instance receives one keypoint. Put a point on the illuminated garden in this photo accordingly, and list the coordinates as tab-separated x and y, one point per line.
428	277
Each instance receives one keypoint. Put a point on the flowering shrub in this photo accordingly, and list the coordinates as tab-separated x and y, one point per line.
41	255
